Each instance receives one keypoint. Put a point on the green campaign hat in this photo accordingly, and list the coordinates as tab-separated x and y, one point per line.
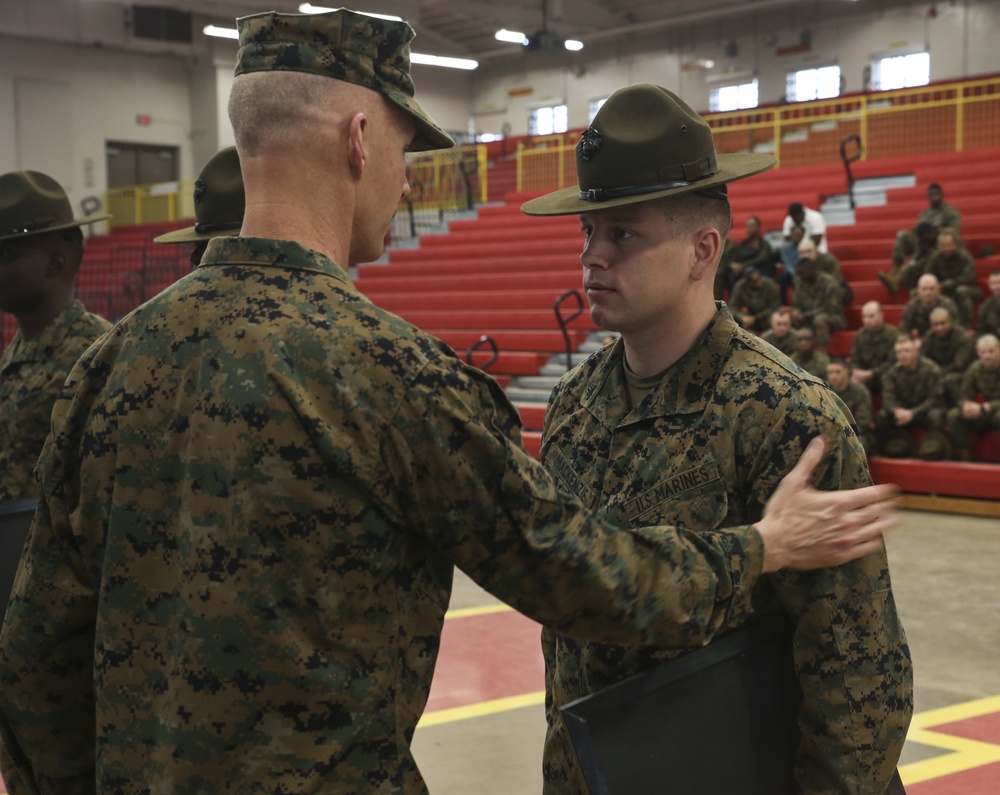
346	45
645	143
32	203
219	201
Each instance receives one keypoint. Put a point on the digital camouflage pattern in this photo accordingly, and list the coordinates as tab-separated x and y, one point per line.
31	374
813	362
346	45
954	353
786	344
917	317
918	390
820	303
858	400
705	449
942	216
980	382
256	489
957	274
874	350
758	301
988	320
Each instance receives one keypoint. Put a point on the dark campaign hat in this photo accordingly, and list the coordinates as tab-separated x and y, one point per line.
32	203
219	201
645	143
367	51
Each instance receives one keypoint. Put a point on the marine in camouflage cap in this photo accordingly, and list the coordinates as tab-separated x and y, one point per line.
346	45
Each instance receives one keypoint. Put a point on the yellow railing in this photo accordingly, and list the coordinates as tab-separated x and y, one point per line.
949	117
147	204
448	179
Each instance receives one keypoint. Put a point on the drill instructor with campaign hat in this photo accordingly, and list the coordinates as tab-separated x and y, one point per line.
41	248
258	491
689	419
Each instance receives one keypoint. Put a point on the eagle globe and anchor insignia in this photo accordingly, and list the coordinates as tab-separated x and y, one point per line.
590	142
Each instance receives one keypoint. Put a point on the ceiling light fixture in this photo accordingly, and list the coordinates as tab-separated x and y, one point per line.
309	8
512	36
573	44
221	33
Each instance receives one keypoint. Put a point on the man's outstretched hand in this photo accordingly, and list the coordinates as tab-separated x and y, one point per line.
804	528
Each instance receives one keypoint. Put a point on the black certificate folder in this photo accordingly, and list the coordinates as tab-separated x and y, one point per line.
717	721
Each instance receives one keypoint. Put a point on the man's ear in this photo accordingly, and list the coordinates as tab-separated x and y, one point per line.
357	154
708	245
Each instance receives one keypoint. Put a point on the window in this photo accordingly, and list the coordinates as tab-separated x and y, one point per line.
738	97
902	71
593	107
810	84
545	121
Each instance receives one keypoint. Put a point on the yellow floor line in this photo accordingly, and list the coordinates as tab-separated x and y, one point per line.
481	709
484	610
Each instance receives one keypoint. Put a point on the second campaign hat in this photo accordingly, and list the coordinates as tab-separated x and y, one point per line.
645	143
32	203
219	201
346	45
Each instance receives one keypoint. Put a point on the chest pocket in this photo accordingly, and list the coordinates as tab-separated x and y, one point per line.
696	498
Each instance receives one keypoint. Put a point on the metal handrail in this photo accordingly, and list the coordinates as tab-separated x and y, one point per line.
855	138
485	339
564	322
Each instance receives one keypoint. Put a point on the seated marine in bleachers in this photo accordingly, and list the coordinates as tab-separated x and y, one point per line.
956	270
979	409
806	355
752	252
856	397
911	397
917	313
781	334
950	347
988	321
829	264
817	301
913	265
872	348
753	299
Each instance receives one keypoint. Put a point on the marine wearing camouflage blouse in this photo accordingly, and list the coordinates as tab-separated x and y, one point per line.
981	383
918	390
917	317
786	344
32	372
255	493
706	449
858	400
758	301
988	320
873	350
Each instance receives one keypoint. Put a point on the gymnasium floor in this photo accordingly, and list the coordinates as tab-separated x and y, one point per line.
482	733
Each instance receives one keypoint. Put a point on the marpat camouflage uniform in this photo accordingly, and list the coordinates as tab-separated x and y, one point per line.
255	491
957	274
953	353
786	344
820	304
918	390
917	316
31	374
759	302
814	364
979	382
858	400
875	351
988	321
705	449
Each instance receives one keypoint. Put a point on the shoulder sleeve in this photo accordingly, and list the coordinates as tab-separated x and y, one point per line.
497	514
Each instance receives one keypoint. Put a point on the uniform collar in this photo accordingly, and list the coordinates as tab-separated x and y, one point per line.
51	337
686	387
264	251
